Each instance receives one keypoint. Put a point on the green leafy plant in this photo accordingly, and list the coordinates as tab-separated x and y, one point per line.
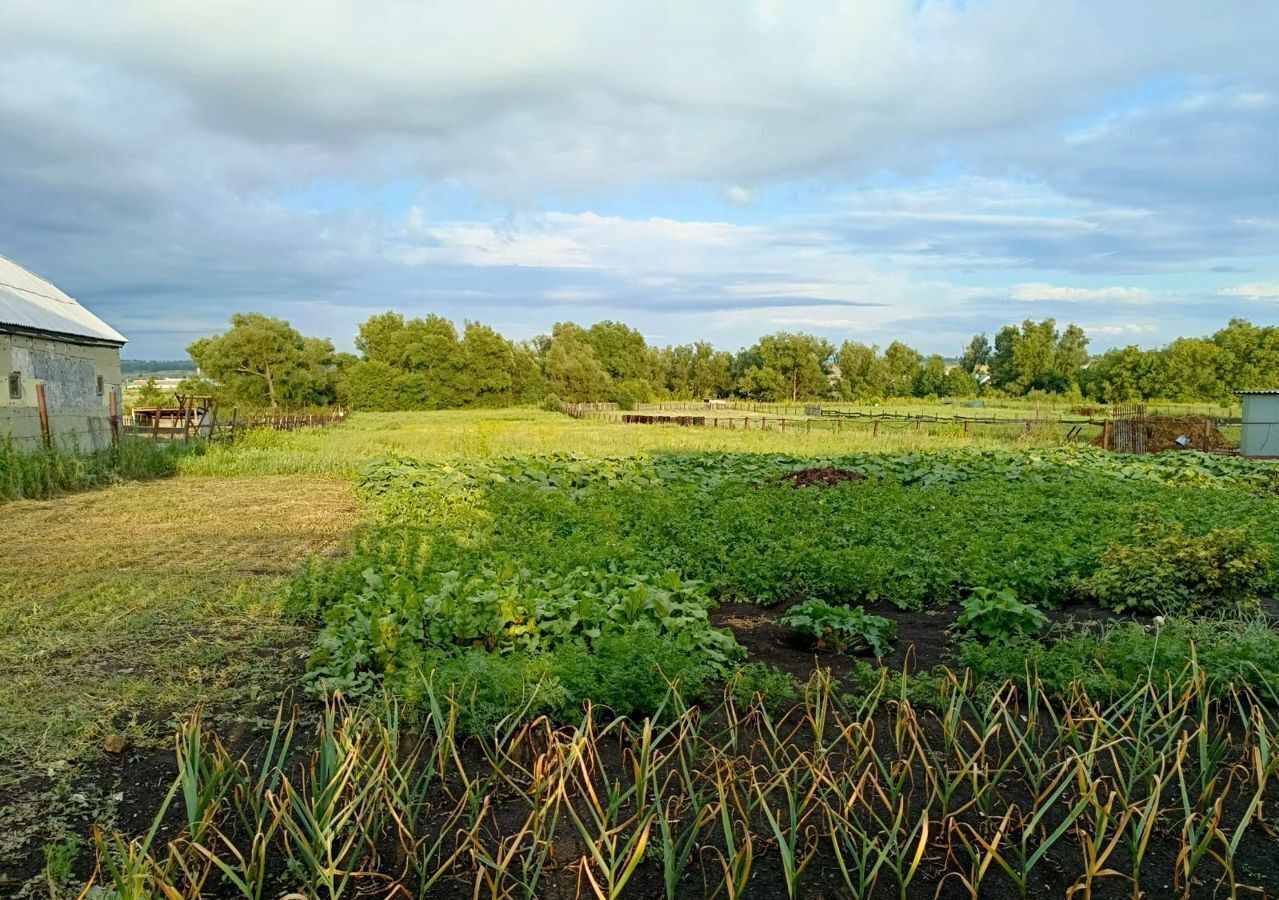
1166	570
842	628
994	615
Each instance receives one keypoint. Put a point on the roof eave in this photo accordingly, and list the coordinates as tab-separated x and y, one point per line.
84	340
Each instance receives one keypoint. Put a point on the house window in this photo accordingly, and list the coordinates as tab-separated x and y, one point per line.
101	386
15	385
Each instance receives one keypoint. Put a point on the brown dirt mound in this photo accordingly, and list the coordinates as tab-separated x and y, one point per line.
827	477
1162	433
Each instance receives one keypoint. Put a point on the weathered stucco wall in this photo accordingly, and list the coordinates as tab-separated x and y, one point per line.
78	413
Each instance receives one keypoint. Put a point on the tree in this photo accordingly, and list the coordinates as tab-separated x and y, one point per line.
863	374
260	361
621	350
794	365
901	364
1037	357
573	372
150	395
976	354
930	378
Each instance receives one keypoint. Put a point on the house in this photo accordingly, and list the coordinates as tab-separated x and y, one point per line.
62	366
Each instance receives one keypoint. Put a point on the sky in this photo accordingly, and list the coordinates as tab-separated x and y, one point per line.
869	170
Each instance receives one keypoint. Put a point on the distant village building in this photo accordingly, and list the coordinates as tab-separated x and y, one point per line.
62	366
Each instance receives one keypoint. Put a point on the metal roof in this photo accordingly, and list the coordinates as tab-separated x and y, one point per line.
1271	391
30	303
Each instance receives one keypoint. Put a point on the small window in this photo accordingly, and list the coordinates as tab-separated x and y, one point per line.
15	385
101	386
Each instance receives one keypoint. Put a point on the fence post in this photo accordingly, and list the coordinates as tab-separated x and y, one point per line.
875	433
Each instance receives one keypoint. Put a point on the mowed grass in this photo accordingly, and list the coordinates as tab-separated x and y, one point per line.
346	449
123	606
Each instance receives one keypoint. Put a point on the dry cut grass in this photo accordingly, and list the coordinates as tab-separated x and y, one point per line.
122	606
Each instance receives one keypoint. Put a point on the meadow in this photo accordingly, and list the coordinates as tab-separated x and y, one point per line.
523	655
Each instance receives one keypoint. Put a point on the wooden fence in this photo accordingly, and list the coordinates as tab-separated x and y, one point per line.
188	426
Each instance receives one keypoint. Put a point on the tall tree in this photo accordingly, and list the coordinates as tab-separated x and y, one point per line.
901	364
976	354
863	373
260	361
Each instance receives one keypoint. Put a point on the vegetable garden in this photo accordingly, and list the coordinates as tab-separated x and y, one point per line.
540	680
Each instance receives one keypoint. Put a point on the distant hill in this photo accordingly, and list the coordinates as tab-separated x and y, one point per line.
157	367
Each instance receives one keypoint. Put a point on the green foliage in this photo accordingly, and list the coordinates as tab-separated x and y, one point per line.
1166	570
632	392
261	361
1109	660
993	615
552	403
841	628
36	474
760	681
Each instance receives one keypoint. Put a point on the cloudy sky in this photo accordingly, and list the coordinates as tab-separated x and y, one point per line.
919	169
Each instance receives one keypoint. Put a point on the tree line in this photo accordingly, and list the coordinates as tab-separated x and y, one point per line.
425	363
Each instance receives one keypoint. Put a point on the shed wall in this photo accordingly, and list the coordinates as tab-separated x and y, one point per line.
79	417
1260	426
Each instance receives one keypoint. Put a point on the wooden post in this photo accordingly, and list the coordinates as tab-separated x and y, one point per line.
44	413
235	412
876	431
155	425
113	416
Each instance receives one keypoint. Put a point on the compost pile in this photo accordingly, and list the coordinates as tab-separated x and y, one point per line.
827	477
1162	433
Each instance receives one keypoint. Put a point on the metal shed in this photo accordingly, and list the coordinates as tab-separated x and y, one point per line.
1260	424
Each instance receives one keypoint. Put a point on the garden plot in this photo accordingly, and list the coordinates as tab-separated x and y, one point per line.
683	676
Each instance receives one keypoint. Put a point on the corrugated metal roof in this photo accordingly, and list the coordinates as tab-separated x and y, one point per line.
1273	391
28	301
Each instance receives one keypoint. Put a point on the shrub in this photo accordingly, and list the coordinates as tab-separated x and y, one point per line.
552	402
842	628
994	615
632	392
1166	570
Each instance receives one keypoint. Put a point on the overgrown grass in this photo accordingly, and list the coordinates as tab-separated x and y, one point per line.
37	474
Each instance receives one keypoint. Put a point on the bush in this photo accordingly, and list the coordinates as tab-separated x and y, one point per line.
1169	571
993	615
632	392
842	628
552	402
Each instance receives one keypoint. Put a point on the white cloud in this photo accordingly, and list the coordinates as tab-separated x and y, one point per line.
1068	294
1257	290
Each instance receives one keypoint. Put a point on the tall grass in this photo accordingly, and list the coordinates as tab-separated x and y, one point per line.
37	474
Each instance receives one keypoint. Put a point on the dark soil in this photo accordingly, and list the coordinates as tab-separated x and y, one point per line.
827	477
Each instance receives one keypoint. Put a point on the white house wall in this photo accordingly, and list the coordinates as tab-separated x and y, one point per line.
78	415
